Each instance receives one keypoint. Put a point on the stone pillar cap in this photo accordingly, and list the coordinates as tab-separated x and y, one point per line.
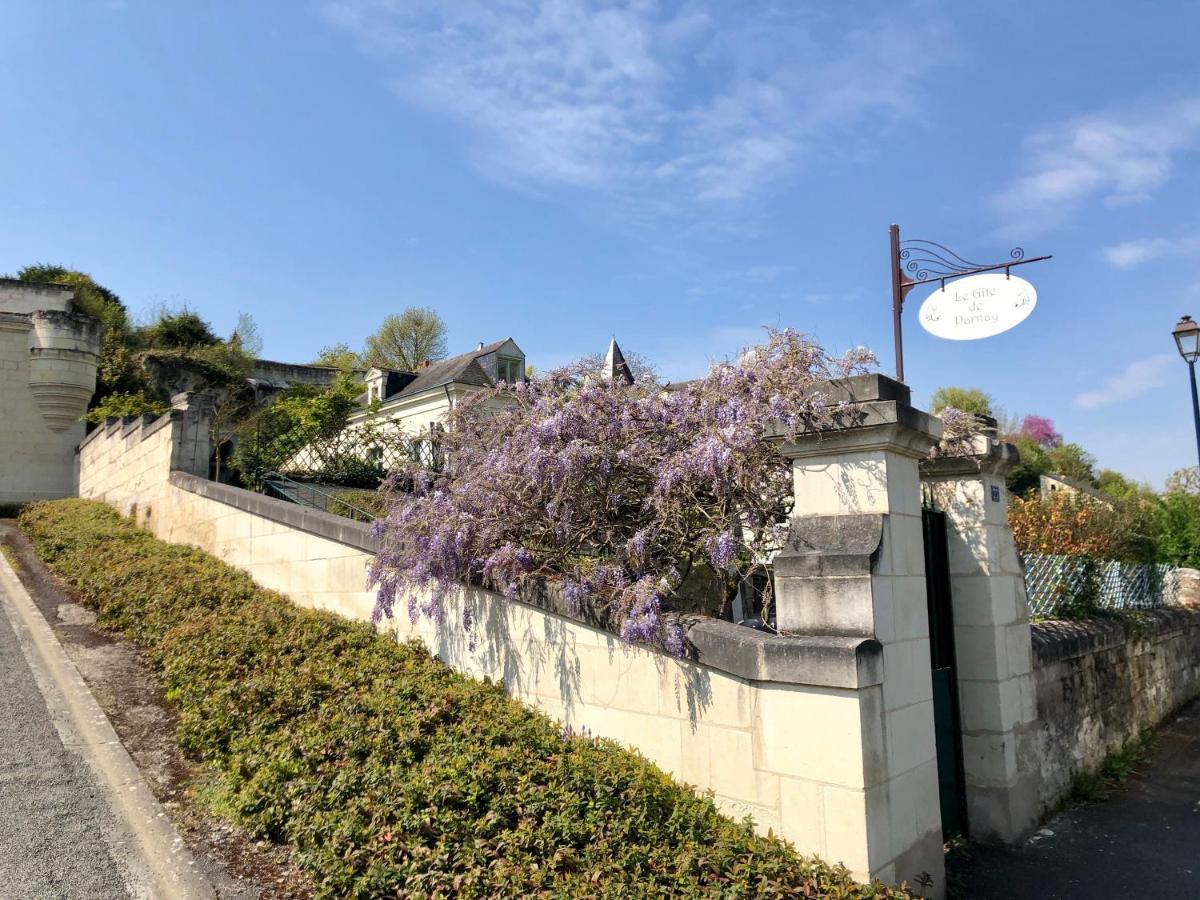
988	457
878	415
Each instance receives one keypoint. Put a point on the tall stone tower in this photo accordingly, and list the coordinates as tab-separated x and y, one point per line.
48	360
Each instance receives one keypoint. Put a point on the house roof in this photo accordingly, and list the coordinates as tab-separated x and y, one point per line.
461	369
1073	484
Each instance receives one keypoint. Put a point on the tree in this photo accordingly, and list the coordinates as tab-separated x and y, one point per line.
1041	430
970	400
1114	484
1024	477
182	329
338	356
1179	529
1068	460
245	335
1072	461
1184	481
306	432
404	341
622	495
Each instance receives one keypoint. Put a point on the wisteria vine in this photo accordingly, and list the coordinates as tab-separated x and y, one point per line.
617	493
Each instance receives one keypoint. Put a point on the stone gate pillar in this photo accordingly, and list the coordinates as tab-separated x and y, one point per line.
997	697
854	565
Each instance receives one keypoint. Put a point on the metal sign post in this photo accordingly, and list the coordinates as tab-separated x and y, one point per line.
929	261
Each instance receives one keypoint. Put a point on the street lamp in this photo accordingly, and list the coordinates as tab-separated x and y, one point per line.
1187	339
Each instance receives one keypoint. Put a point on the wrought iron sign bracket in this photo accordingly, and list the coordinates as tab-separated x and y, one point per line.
927	262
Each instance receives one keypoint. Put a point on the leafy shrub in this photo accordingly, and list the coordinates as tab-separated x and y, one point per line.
123	406
388	772
1179	524
1071	524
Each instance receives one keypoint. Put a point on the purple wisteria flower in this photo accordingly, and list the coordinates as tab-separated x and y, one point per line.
618	493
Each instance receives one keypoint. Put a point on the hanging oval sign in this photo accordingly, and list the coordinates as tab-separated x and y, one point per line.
978	306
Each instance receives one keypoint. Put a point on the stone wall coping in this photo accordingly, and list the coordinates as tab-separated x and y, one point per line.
1054	641
828	660
862	388
872	413
311	521
991	457
147	422
842	661
37	287
878	414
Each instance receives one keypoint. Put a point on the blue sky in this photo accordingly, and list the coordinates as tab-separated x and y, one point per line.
676	174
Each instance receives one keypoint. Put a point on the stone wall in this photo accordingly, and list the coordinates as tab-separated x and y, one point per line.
993	661
48	359
1100	682
788	730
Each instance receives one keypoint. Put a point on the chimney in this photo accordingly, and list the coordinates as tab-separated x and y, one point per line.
424	364
480	347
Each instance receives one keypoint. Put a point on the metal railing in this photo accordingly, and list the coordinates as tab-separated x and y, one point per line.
1073	585
359	454
283	488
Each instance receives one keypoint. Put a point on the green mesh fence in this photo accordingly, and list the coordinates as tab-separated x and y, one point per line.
1065	585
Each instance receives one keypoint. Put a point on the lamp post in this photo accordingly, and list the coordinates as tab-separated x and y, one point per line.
1187	339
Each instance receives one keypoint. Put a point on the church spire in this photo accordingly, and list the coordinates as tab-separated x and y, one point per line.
615	367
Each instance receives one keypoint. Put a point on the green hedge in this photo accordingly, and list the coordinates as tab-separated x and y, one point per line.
387	771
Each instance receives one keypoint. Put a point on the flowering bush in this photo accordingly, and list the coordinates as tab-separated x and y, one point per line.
618	493
1064	523
1070	524
1040	430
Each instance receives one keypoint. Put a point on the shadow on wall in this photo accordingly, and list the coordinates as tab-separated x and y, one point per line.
543	660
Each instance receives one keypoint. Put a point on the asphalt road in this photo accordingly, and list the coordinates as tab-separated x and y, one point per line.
54	816
1144	841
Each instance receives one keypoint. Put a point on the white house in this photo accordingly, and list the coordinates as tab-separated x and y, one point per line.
416	401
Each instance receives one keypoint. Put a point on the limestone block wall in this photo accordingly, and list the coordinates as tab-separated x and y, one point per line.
753	727
48	360
854	563
994	662
1100	682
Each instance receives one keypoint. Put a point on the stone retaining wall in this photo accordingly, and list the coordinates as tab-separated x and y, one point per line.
787	730
1099	682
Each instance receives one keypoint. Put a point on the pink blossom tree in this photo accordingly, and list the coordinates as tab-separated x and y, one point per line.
1040	430
615	493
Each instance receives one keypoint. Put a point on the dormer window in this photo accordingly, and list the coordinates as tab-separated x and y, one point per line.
510	369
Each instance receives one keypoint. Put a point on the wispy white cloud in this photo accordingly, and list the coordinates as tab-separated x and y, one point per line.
1130	254
639	98
1139	377
1115	157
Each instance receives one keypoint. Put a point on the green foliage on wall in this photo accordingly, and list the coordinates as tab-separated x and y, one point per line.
122	406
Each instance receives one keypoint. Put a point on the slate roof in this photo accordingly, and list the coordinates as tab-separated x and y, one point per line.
615	367
461	369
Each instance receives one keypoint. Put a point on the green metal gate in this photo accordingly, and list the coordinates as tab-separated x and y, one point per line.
947	723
